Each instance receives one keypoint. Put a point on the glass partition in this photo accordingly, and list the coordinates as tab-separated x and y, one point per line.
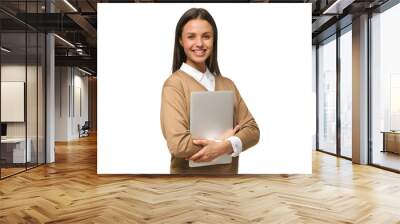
32	95
22	67
41	111
35	52
13	105
327	96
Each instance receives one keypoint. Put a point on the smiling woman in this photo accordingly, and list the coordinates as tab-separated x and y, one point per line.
197	42
195	68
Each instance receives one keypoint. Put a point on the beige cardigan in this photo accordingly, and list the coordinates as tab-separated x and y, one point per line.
175	112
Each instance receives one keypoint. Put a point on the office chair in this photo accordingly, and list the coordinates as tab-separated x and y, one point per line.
84	130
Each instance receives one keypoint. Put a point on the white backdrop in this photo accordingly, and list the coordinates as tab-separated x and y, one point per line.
264	48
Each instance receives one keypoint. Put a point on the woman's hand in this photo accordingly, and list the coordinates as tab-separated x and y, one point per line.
229	133
211	150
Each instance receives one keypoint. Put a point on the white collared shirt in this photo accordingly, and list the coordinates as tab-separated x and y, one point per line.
207	79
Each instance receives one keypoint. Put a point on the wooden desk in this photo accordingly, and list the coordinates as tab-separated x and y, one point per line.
391	141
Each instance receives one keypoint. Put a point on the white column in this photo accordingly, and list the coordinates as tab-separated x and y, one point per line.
360	90
50	93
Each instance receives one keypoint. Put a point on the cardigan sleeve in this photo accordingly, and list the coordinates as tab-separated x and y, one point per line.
175	122
249	132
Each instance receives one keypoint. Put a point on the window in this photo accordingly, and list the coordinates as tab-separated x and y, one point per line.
327	96
385	88
346	93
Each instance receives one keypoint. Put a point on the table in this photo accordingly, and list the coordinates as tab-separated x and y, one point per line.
13	150
391	141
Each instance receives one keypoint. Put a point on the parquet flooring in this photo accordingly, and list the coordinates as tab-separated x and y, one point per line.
10	171
70	191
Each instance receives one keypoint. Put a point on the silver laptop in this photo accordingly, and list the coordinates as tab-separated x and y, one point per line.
211	114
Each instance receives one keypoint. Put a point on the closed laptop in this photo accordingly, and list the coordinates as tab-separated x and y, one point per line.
211	114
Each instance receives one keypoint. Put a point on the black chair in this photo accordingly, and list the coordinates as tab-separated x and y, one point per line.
84	130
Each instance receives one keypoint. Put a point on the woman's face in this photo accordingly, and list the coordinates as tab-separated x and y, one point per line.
197	41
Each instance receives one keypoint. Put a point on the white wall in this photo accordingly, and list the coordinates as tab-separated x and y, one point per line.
69	82
82	83
62	81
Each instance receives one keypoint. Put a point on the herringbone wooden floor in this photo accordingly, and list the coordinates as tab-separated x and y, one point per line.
70	191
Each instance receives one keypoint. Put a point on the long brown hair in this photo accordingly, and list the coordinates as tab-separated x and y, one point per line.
179	53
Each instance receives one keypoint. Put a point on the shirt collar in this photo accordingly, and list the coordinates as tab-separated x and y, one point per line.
196	74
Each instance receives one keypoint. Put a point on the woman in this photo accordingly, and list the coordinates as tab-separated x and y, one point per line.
195	68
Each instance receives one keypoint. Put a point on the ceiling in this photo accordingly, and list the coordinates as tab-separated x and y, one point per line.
76	22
